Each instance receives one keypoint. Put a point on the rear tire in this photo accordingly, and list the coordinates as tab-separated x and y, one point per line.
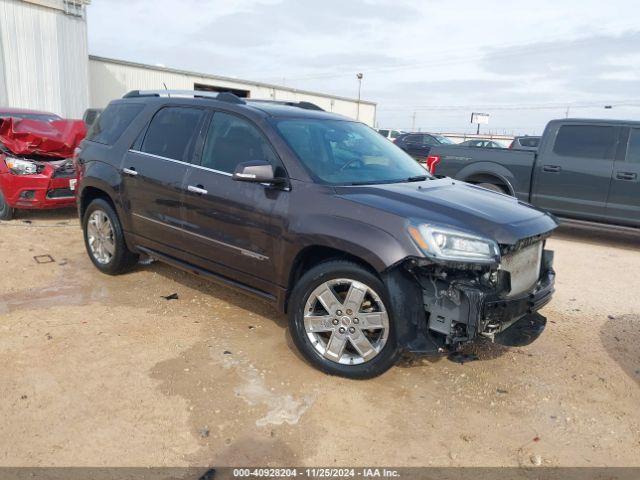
6	212
493	188
104	240
340	320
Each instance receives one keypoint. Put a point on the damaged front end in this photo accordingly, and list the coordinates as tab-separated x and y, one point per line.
460	301
36	165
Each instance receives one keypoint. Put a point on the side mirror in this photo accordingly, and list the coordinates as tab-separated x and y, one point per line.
256	171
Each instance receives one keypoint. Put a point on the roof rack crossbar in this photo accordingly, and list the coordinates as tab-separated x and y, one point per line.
220	96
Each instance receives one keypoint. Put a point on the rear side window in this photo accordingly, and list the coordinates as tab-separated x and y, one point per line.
172	133
232	140
586	141
384	133
417	139
633	148
113	121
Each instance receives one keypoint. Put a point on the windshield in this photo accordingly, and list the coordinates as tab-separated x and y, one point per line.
340	152
444	140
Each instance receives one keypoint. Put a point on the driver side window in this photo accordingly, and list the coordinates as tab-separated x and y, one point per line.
232	140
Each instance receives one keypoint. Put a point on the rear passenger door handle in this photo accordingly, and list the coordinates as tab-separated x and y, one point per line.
551	168
130	171
626	176
199	189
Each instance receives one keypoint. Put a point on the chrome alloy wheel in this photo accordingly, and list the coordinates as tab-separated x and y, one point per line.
346	321
100	237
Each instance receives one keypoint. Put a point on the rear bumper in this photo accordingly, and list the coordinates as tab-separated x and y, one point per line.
39	191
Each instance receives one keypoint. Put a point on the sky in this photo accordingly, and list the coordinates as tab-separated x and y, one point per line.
427	64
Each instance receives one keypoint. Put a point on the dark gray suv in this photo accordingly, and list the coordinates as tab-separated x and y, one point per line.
368	254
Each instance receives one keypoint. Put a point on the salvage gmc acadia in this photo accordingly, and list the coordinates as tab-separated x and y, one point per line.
369	254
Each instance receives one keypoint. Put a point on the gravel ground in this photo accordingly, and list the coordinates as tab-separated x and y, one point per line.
103	371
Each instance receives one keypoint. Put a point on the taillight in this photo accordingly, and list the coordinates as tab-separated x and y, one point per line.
432	162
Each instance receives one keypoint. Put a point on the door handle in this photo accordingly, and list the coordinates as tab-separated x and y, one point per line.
197	189
130	171
551	168
626	176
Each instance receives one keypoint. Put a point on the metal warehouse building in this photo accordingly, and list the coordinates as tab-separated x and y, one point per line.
45	65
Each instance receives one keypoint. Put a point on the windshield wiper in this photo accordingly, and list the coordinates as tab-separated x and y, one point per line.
417	178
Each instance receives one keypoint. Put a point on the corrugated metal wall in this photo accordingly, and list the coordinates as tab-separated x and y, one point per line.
110	79
44	59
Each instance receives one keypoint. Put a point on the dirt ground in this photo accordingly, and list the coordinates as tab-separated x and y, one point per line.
103	371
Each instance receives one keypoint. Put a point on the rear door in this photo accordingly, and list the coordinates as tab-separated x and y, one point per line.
573	172
623	205
232	227
153	173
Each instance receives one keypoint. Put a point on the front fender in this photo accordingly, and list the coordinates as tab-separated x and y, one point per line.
363	240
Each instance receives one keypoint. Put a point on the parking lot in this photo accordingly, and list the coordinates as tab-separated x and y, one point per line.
104	371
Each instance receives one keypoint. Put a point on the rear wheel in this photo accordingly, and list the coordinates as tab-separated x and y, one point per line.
493	187
104	240
6	212
340	321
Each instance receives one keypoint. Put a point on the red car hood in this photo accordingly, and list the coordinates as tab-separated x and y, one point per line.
34	137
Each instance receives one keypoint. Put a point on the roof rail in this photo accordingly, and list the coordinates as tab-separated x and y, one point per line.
305	105
220	96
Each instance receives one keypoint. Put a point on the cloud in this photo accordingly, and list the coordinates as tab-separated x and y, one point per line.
412	53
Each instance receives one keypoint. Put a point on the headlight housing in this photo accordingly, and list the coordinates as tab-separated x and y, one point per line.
441	243
17	166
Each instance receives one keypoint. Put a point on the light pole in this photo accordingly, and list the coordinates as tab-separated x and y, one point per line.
359	77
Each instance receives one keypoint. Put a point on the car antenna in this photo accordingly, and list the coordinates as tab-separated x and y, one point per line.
165	87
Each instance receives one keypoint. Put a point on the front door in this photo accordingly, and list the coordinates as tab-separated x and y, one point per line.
233	226
153	173
623	205
573	175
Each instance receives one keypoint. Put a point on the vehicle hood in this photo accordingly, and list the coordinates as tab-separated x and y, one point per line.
457	205
48	139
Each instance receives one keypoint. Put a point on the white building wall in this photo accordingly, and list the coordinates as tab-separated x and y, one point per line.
111	79
43	57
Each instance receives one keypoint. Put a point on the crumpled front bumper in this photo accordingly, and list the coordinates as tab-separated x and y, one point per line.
502	313
38	191
454	311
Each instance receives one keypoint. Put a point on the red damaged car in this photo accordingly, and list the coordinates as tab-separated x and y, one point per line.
36	165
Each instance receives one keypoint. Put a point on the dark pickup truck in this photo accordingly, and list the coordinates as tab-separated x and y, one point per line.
584	170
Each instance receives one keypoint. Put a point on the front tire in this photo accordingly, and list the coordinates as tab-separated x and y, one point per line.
6	212
104	240
340	320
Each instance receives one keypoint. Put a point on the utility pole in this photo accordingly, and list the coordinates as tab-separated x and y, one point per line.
566	114
413	122
359	77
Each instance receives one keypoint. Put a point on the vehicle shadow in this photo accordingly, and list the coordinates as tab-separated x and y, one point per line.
618	239
62	214
225	293
620	337
480	350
